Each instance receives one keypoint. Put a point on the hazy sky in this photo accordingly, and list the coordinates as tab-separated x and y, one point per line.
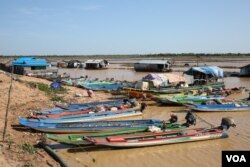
30	27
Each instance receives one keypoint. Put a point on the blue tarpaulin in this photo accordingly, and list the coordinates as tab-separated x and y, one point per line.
29	61
212	71
55	85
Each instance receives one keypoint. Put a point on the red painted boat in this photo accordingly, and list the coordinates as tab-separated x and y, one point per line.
161	138
70	113
65	113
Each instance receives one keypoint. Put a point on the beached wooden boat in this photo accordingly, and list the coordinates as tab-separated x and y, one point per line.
61	114
78	139
158	97
83	117
161	138
105	85
169	125
220	107
88	105
77	107
93	109
89	126
189	100
139	93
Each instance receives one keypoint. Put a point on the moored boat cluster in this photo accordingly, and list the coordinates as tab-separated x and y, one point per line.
93	122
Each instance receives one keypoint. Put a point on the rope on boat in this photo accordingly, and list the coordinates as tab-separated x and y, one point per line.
83	148
53	154
203	120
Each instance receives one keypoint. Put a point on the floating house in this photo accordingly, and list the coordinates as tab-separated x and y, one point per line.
153	66
96	64
205	74
62	64
75	64
245	71
32	66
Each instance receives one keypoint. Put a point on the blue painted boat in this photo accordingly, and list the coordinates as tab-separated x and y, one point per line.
88	126
85	117
116	102
76	107
219	107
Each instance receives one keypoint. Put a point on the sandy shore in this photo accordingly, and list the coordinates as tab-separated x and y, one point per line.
24	100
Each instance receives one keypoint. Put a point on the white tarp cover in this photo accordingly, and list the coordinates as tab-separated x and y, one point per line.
159	79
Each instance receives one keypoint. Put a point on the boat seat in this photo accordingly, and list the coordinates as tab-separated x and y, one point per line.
115	139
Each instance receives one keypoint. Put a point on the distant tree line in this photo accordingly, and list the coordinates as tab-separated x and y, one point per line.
160	55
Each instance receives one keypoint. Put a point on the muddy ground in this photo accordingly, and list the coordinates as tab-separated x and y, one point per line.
24	99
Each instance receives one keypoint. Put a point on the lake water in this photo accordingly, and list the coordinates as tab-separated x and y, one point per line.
126	73
197	154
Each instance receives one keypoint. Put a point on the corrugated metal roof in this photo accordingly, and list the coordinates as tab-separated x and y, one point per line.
246	66
29	61
154	62
94	61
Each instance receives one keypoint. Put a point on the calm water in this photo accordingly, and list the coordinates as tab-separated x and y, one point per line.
130	75
205	153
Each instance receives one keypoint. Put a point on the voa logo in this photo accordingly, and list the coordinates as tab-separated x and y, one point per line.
236	158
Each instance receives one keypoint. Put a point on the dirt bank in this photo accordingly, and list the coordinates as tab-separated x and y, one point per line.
24	99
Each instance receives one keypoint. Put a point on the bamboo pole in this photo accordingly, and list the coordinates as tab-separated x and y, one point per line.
8	105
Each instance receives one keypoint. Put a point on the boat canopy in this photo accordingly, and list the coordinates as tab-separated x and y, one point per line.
164	78
212	71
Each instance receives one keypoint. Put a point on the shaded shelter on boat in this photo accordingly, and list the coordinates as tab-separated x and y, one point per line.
153	80
205	74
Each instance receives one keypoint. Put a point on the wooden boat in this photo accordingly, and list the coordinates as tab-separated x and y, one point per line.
75	112
189	100
75	82
161	138
61	114
104	86
220	107
169	125
77	107
89	126
85	105
78	139
159	97
139	93
83	117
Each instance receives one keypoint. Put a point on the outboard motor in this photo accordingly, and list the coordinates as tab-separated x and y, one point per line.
143	106
226	123
190	119
125	101
173	118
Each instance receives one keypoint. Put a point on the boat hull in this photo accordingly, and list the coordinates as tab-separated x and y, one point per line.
79	139
85	117
198	137
219	108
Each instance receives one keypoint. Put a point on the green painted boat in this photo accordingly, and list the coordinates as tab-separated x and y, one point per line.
190	100
78	139
138	93
160	97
